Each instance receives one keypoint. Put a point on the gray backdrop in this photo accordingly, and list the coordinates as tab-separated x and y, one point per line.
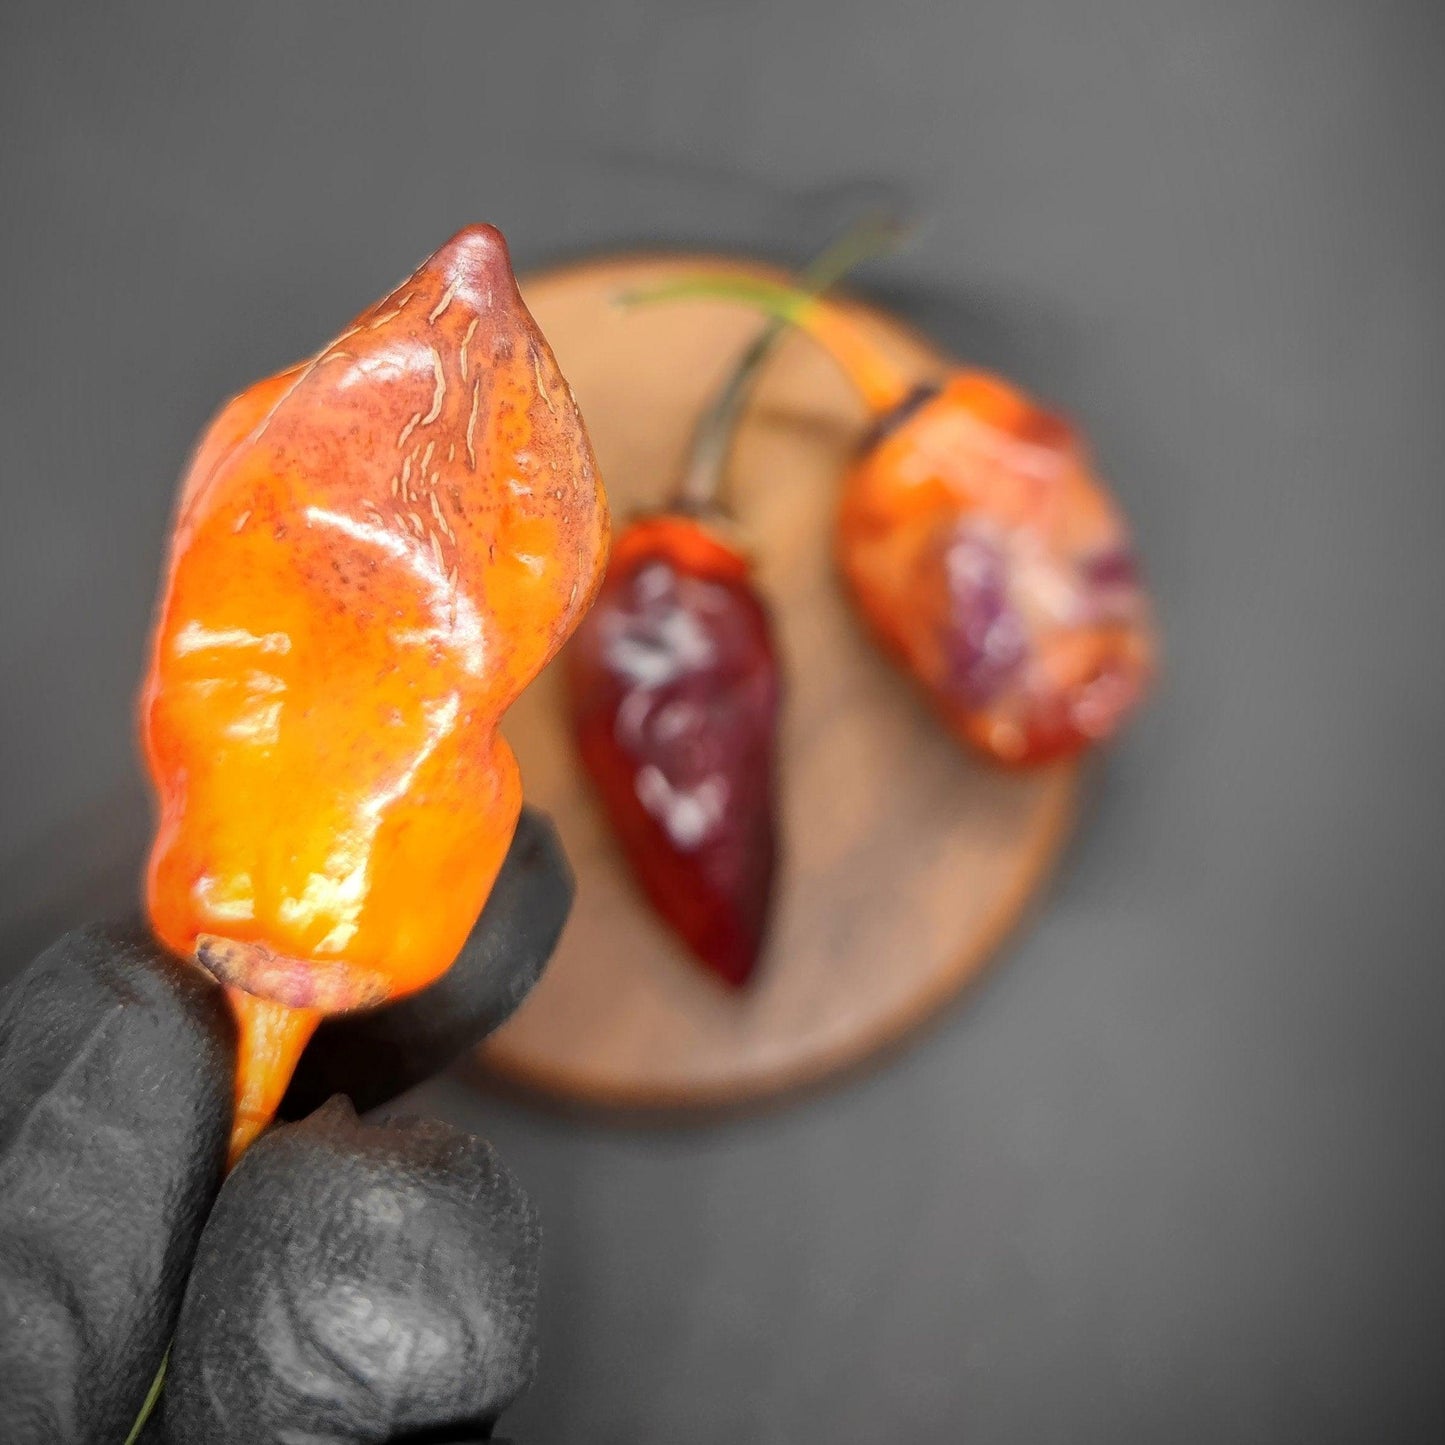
1174	1172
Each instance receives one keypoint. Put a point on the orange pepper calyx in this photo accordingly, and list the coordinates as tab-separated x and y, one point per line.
270	1039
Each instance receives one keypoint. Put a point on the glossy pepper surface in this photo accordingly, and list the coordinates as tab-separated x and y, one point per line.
674	693
373	554
980	548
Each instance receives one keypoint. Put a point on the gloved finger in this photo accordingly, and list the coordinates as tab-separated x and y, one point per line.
115	1103
357	1282
374	1057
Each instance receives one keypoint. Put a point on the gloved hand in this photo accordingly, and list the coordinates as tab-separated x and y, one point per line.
349	1282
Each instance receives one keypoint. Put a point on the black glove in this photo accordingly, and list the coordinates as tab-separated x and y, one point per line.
352	1282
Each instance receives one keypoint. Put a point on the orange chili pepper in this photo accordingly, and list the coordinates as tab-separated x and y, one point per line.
981	550
373	554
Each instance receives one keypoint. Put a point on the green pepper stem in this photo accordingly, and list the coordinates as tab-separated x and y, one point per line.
881	383
712	440
153	1395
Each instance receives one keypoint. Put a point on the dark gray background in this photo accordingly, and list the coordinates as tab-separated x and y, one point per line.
1175	1172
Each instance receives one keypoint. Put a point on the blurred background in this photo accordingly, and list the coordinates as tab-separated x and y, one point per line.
1174	1171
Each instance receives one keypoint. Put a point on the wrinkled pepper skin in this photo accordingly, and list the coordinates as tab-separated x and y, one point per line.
373	554
674	691
989	562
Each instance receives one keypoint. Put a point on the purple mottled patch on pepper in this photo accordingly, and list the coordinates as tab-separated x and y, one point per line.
984	637
1116	567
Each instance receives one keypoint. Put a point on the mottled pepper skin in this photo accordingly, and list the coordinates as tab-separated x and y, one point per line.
373	554
987	559
674	692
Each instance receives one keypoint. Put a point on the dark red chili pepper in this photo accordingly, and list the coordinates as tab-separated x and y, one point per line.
674	688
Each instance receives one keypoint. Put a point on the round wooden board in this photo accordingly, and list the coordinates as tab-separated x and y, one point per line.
904	861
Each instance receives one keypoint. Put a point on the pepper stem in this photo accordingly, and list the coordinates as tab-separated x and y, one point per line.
881	384
152	1398
271	1038
874	235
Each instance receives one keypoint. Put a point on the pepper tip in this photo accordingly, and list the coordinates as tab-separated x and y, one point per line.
478	255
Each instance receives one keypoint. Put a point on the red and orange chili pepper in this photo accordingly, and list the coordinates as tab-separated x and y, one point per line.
374	553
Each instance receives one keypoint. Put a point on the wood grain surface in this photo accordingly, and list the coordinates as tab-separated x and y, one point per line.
905	862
